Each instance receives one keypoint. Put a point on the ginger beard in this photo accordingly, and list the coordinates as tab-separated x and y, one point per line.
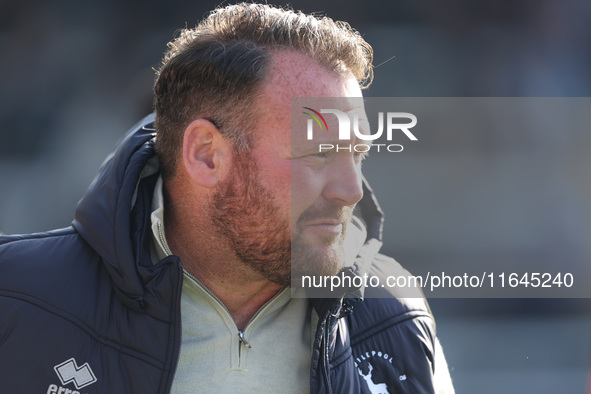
245	215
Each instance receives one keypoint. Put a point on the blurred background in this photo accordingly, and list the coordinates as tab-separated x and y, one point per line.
75	76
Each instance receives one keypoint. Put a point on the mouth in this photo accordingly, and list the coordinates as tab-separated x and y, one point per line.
327	227
323	226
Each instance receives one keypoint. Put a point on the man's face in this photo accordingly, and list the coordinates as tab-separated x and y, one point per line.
287	206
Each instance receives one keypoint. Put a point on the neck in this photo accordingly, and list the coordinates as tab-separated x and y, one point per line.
209	258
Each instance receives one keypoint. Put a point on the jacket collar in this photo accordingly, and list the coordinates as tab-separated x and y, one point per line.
113	215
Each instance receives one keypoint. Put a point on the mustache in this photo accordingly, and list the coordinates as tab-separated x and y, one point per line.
314	214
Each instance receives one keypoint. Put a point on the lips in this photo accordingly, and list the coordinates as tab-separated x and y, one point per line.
327	222
328	227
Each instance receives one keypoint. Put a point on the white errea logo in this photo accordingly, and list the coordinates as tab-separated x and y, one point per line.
70	372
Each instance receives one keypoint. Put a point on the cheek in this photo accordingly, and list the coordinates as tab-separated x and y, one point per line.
274	172
305	189
275	176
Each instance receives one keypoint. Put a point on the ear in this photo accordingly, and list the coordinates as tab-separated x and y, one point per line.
206	153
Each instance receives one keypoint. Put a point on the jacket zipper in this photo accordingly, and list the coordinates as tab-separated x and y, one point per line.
329	320
327	331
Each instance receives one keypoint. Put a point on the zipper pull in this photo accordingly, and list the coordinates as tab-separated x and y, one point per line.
243	340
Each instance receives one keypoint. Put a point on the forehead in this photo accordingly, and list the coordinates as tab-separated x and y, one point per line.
293	74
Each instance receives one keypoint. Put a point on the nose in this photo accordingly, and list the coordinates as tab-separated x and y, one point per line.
344	185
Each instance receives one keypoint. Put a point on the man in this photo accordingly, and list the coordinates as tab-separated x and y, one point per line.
175	274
